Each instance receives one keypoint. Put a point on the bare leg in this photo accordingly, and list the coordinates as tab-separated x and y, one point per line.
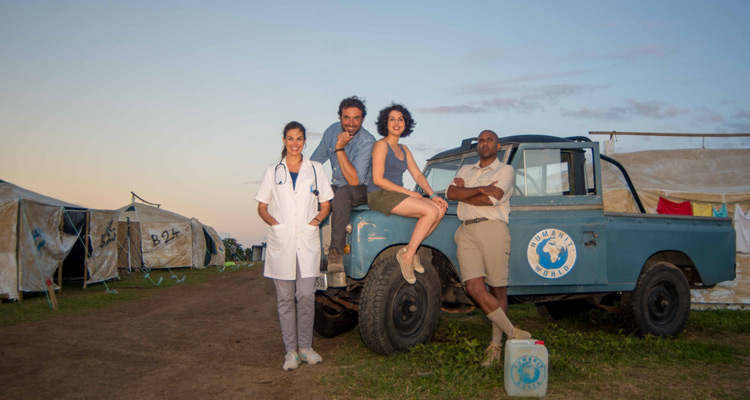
501	294
486	301
441	214
491	307
426	215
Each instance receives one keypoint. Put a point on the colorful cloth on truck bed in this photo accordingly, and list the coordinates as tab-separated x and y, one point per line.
722	212
670	207
742	227
702	210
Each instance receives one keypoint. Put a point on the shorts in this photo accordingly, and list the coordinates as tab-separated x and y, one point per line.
385	200
483	250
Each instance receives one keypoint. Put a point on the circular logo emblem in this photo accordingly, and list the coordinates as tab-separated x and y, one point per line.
528	372
551	253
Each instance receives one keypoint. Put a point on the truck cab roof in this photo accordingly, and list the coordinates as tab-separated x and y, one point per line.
470	144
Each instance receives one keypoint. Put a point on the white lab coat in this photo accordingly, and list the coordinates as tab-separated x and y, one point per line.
293	237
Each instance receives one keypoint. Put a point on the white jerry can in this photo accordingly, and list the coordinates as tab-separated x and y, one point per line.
526	368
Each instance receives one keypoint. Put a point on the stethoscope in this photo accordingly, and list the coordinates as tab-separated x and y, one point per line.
284	171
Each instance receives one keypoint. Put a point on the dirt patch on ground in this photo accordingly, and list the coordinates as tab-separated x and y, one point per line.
219	339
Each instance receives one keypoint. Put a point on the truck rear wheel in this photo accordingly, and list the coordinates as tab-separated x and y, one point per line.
394	315
660	303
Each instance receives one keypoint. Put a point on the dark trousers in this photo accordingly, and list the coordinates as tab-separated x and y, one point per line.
344	198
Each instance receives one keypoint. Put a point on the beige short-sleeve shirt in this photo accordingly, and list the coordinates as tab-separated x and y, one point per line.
474	176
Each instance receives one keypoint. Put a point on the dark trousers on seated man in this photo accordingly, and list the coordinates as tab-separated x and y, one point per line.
344	198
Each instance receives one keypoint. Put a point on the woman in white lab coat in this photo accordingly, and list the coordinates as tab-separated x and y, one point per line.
294	198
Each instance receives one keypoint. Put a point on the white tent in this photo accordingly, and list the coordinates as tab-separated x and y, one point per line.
101	262
37	233
152	237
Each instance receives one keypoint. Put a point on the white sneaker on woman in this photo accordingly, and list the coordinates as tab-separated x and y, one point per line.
309	355
291	361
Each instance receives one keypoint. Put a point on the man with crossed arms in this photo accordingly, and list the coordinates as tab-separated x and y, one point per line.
483	239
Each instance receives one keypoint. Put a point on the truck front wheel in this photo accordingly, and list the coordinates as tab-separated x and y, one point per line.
660	303
395	315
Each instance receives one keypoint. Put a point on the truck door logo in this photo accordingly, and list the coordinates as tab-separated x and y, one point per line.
551	253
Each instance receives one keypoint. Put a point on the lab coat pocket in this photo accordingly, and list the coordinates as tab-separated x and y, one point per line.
277	238
311	237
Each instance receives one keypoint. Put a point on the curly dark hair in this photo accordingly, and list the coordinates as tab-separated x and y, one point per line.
382	121
353	101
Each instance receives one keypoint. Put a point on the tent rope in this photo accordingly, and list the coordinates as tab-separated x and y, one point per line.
175	276
146	271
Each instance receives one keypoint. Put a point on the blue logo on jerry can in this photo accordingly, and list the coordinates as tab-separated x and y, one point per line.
528	372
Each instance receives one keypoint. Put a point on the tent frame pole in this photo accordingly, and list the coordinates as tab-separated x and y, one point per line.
18	258
59	276
130	269
86	250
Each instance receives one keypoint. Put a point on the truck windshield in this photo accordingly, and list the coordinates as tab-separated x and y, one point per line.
554	172
440	173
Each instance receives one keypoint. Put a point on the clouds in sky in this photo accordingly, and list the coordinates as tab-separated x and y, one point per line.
501	86
627	55
527	99
739	122
631	109
529	92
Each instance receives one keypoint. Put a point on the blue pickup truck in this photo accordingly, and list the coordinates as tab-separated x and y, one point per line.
567	253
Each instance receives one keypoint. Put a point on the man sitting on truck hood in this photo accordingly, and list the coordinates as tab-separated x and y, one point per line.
483	239
348	147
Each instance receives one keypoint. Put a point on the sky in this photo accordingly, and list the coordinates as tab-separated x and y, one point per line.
184	102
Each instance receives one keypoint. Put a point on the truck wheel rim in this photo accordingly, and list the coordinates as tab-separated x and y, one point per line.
409	308
660	302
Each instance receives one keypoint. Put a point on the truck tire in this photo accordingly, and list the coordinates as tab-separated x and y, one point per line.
394	315
660	303
330	322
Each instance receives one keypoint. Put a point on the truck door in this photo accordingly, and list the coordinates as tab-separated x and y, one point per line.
557	219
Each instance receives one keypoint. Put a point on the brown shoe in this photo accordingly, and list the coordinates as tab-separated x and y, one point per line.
520	334
492	355
418	264
335	261
407	271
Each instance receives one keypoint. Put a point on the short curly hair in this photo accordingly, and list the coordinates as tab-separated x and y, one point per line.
353	101
382	121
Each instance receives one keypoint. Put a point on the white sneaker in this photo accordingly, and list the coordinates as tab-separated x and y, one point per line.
309	355
291	361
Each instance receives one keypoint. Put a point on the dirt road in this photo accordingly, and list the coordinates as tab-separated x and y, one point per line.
219	339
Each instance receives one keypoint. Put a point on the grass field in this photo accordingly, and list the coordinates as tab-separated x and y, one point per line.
590	358
132	286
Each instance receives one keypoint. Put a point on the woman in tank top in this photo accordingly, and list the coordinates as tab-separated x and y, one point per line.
386	192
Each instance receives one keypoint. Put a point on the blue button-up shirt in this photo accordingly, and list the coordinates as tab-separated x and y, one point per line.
358	151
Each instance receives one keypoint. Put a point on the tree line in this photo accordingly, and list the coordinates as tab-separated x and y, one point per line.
235	251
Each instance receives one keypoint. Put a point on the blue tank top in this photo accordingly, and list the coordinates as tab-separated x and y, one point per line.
394	169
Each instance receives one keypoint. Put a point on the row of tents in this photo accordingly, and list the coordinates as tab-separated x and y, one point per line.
41	235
